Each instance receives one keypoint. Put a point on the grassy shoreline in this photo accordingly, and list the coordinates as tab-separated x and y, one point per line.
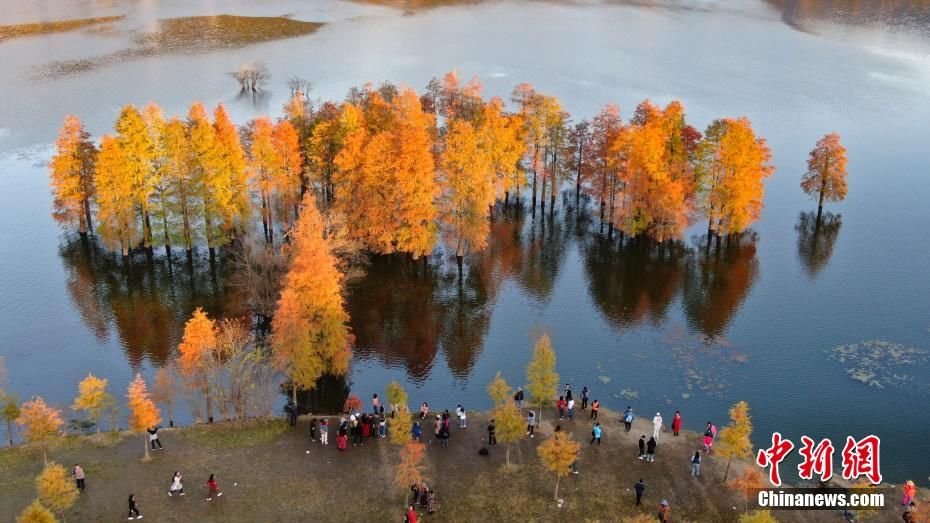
271	472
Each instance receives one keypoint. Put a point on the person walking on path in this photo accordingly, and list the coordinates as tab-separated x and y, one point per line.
642	447
595	405
176	485
709	436
665	513
571	409
676	423
153	437
518	397
424	410
656	426
214	488
492	436
596	434
133	508
382	426
324	431
910	492
651	450
628	418
530	423
561	406
460	414
696	463
568	391
411	516
584	398
640	488
291	409
78	474
313	429
417	431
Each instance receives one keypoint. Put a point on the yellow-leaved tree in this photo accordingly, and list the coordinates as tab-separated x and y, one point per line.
93	398
825	178
116	214
410	468
557	455
40	423
508	424
264	165
399	424
542	382
212	184
310	327
758	516
72	176
231	165
734	441
138	167
56	489
36	513
197	351
746	483
143	414
288	179
498	389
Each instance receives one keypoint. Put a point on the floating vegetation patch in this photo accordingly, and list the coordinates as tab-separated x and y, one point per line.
704	361
58	26
629	394
879	363
604	379
192	34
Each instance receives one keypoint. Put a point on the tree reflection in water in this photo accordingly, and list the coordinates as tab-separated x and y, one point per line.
816	240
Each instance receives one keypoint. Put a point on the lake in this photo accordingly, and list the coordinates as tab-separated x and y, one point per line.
687	328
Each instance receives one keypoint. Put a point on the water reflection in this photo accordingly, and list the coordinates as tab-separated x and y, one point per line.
717	281
143	302
801	14
543	252
816	240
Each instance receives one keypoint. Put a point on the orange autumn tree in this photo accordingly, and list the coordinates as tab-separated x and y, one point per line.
606	128
264	166
502	135
197	349
40	423
410	468
161	220
467	181
93	398
72	176
231	164
825	178
116	216
287	181
56	489
183	209
211	183
557	455
143	413
324	144
731	166
135	142
310	327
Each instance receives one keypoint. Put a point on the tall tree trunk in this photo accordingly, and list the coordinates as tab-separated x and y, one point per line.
506	454
9	431
87	216
146	445
726	471
557	478
206	394
820	205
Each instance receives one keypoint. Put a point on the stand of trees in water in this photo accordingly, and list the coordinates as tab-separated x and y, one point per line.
391	172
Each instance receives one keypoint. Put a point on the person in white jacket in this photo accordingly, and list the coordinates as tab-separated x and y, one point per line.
176	486
656	426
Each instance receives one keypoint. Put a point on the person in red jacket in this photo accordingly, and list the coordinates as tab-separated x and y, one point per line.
561	406
676	423
411	515
214	488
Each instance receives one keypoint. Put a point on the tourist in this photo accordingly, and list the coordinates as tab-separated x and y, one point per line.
214	488
584	398
665	513
382	426
133	508
176	485
313	429
568	391
910	513
291	409
375	403
437	426
656	426
153	437
530	423
561	406
651	450
628	418
640	488
460	414
595	405
424	410
571	409
696	464
324	431
574	464
365	428
676	423
642	447
416	431
78	474
342	440
709	436
411	516
444	433
910	492
492	437
596	434
518	397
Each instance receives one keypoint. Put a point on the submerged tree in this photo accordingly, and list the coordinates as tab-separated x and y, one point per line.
311	336
72	176
116	216
825	178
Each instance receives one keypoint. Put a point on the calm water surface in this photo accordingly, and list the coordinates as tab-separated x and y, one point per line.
682	329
